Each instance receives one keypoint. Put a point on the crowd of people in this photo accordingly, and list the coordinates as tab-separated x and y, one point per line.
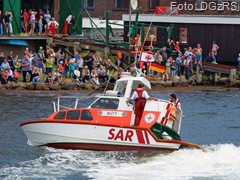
185	63
39	23
50	67
33	23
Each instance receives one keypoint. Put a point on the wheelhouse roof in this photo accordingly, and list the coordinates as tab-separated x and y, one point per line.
135	81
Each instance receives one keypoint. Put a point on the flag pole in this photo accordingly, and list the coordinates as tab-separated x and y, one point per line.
146	35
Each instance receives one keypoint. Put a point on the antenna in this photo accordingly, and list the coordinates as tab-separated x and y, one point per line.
134	4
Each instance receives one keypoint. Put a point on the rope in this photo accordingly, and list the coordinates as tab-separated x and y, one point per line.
146	35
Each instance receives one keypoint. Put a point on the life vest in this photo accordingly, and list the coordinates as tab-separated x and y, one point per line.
140	101
16	74
172	114
5	74
60	68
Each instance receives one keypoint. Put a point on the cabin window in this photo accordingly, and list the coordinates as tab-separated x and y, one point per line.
106	103
153	4
183	35
89	4
86	115
73	114
60	115
122	4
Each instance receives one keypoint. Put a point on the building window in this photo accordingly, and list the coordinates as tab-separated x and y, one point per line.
122	4
89	4
183	35
153	4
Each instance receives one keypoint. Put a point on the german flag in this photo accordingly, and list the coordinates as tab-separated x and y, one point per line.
157	67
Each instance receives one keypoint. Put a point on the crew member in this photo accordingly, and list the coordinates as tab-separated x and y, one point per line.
140	96
175	101
52	26
66	23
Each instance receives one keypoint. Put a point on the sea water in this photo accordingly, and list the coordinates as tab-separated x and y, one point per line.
211	119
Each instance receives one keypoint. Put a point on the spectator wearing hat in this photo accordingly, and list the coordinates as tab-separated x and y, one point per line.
177	47
60	67
35	60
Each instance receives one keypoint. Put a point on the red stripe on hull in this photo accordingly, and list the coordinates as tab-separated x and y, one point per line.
140	137
146	136
104	147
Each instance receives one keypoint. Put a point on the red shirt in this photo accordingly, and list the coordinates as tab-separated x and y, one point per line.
25	17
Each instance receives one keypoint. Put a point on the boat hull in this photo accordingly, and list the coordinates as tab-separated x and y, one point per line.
94	137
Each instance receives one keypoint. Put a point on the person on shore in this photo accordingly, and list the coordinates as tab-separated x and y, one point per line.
177	47
52	26
47	17
16	76
215	47
59	55
187	68
66	24
178	64
49	65
140	96
175	101
57	77
102	73
36	75
10	74
94	77
1	23
25	20
86	76
77	75
80	63
238	59
49	78
61	67
26	68
209	58
4	65
32	24
40	25
119	58
10	59
72	66
164	55
89	61
198	61
4	79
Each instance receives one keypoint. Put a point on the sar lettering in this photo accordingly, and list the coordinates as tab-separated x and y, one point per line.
120	135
